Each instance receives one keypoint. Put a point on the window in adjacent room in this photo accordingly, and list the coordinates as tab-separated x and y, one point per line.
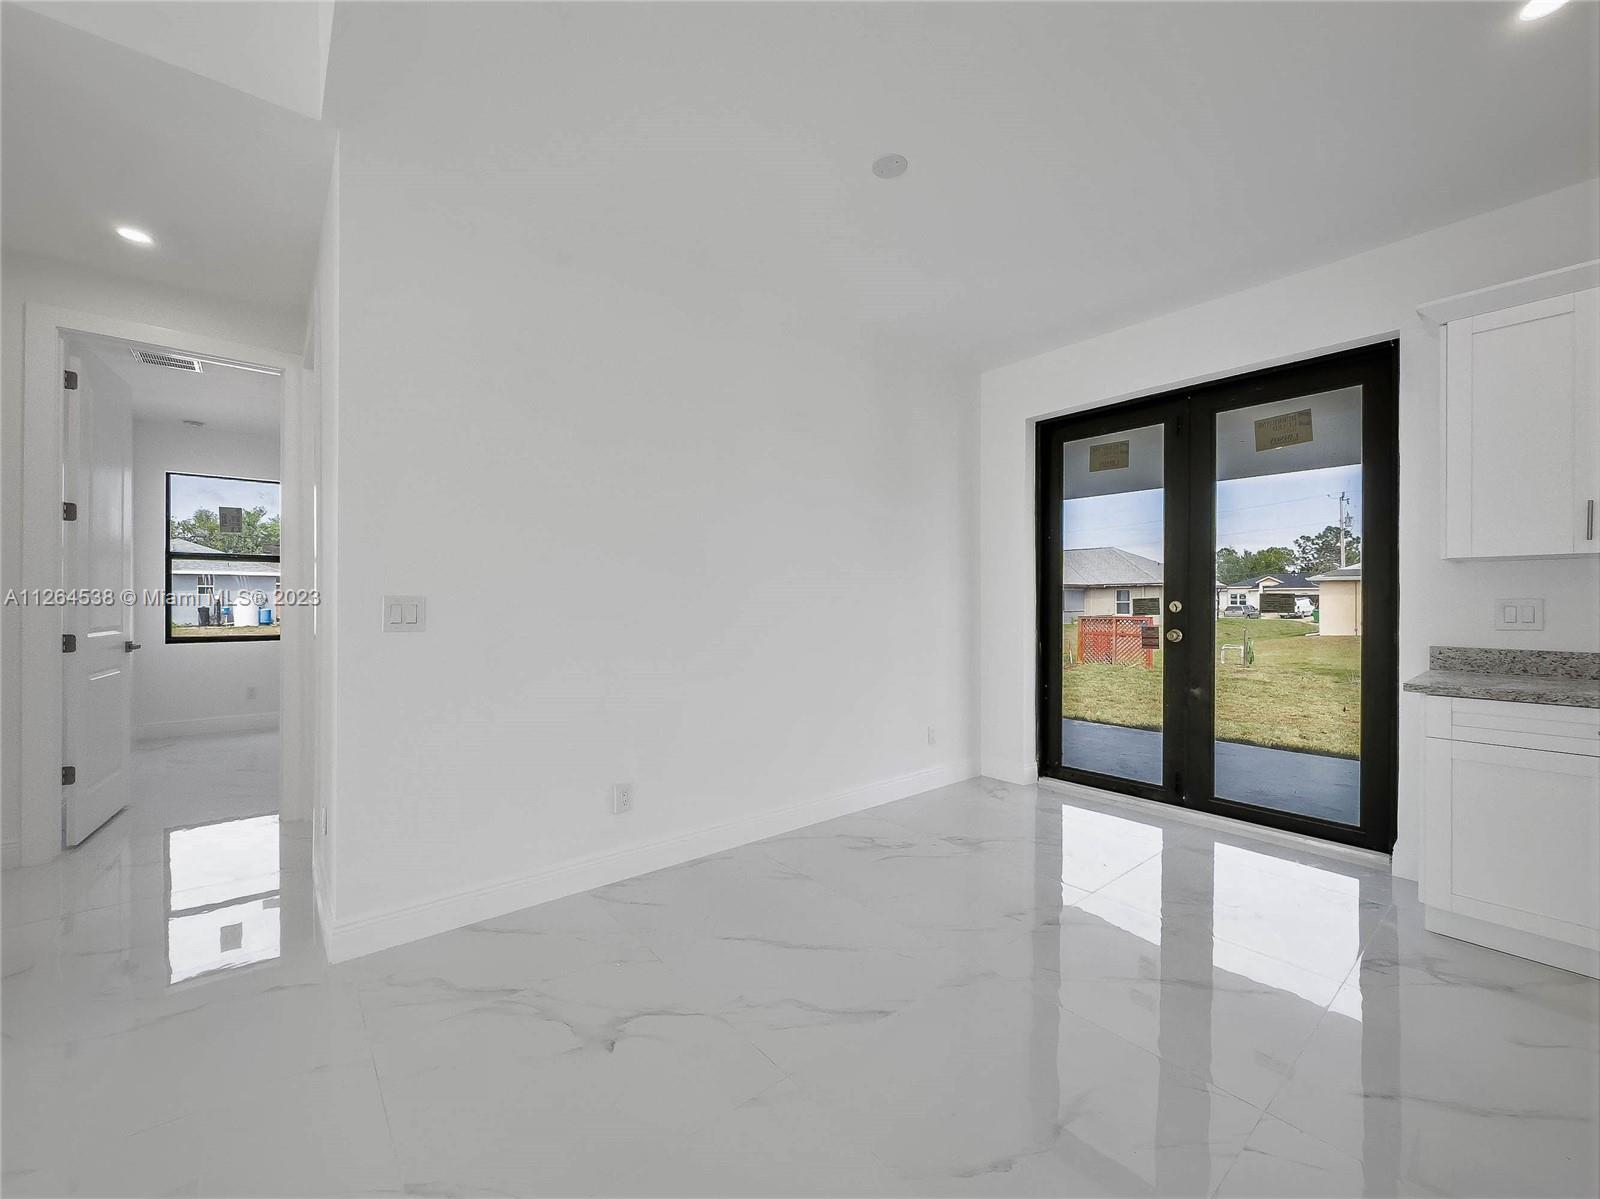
222	558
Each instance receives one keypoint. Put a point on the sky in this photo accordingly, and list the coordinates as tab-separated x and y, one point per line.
1251	513
190	493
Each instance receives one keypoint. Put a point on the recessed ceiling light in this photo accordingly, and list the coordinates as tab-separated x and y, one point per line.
137	236
890	166
1534	9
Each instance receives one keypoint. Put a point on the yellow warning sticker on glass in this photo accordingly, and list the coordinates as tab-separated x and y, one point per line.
1275	432
1113	455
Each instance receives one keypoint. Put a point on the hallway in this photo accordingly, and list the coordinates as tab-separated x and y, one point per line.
983	989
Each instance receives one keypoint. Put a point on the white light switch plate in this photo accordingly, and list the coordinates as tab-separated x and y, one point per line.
405	613
1519	615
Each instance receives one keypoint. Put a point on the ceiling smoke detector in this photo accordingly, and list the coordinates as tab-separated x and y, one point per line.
176	362
890	166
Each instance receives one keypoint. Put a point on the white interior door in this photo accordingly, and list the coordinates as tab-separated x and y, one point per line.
97	546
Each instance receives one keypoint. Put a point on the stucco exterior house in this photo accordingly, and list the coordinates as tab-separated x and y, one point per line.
210	584
1267	593
1341	602
1106	581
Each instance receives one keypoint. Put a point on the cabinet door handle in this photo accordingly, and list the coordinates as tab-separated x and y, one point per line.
1589	530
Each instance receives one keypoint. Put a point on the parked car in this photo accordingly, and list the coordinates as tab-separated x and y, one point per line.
1248	611
1303	606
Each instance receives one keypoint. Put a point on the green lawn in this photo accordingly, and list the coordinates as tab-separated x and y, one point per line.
1301	692
241	632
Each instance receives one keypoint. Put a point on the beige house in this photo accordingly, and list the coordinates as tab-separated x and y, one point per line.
1106	581
1341	602
1275	593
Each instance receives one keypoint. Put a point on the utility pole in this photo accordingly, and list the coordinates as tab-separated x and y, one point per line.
1343	499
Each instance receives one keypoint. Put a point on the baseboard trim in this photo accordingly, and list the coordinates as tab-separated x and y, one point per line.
10	855
205	726
1024	774
1563	955
353	938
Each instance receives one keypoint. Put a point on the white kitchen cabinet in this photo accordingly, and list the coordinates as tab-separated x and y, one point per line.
1511	828
1522	417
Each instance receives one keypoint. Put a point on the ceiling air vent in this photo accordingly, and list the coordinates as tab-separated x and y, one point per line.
175	362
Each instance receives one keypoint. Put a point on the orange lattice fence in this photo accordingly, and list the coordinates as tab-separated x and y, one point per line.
1116	640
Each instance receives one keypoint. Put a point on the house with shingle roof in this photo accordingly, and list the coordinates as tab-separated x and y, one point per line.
1267	593
1106	581
205	589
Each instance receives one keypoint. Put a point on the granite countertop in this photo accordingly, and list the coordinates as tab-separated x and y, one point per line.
1570	680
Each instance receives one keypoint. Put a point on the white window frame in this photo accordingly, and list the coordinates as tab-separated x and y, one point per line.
1124	601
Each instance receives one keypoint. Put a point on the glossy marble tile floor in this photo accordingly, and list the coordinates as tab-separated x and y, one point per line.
984	990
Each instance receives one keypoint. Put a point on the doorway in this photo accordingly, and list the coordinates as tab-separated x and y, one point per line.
171	542
53	339
1218	602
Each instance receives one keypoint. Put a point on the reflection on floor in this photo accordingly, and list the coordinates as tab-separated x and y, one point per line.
1280	779
986	989
222	896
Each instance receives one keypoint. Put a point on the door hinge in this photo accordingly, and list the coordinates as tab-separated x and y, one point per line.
69	643
69	380
69	511
69	775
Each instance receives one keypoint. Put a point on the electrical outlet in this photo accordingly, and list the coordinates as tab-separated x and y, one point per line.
930	735
621	799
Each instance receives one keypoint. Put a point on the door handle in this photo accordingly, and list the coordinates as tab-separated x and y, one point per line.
1174	635
129	646
1589	530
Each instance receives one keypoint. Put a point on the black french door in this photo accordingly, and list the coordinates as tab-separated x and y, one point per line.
1218	605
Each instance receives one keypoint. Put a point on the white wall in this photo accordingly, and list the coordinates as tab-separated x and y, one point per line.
27	278
207	687
1369	297
715	542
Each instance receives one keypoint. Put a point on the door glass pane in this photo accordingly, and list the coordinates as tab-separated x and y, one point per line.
1288	645
1111	604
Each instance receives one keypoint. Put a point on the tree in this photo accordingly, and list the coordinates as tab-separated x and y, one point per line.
1319	553
1233	564
260	535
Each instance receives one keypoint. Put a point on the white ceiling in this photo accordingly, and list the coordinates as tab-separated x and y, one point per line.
274	49
1074	167
222	397
95	135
